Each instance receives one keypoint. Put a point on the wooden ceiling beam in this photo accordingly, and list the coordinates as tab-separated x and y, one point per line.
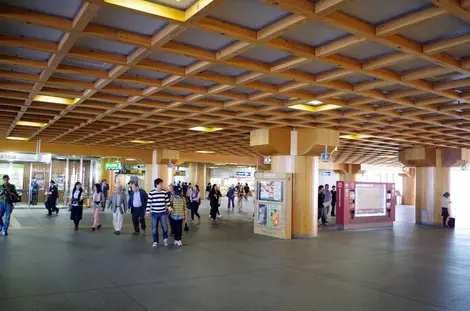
405	22
445	44
453	7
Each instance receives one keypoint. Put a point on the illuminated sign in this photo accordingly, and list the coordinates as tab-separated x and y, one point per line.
25	157
113	166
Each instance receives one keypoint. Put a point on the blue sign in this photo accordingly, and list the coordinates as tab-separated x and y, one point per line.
243	174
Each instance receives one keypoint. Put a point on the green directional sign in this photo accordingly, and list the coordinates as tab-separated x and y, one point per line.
113	166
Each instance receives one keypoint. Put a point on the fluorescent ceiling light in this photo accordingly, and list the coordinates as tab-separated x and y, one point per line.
310	108
206	129
35	124
388	156
204	151
17	138
358	136
150	8
55	99
138	141
130	159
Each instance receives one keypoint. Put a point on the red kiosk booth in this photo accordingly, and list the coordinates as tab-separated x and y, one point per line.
364	204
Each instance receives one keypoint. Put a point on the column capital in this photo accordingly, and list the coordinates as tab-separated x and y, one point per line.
300	142
434	157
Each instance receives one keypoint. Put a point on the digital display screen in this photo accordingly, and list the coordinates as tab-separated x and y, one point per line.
270	191
370	200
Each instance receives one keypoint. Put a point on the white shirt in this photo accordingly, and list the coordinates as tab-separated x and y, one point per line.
445	202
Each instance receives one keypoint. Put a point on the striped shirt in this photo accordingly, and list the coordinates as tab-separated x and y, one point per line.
178	206
158	201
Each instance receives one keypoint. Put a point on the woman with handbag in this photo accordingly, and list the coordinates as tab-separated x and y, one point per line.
76	204
96	200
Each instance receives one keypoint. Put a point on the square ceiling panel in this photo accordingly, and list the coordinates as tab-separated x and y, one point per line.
176	4
96	44
315	68
367	51
198	82
147	73
376	12
436	29
61	8
74	77
411	65
128	85
274	80
357	78
317	89
86	63
18	29
249	14
315	34
24	53
204	40
460	51
15	68
172	59
265	55
139	24
227	70
243	90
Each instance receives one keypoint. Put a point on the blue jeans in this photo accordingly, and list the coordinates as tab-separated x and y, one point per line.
159	218
231	199
8	209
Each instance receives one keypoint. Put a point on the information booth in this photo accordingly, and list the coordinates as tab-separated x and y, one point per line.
273	205
365	205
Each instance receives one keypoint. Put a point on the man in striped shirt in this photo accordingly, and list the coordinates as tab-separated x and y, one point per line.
158	205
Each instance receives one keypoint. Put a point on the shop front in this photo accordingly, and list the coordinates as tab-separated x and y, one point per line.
32	173
227	176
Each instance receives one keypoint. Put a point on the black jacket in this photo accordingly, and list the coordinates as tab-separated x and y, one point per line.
321	199
54	192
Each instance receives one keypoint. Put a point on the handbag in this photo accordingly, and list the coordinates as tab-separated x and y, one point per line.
70	207
186	228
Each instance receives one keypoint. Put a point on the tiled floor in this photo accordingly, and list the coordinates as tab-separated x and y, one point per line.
44	265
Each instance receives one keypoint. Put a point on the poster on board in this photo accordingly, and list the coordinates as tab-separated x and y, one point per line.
270	191
40	179
274	216
59	181
262	215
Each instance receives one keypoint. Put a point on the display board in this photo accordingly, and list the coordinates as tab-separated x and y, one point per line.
15	172
271	190
365	204
370	200
59	181
273	205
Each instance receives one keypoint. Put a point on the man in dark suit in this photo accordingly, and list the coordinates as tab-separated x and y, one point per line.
53	195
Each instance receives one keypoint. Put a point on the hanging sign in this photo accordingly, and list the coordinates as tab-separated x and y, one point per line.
25	157
113	166
243	174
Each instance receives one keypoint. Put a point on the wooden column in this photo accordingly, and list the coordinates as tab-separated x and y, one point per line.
200	176
305	192
192	173
409	190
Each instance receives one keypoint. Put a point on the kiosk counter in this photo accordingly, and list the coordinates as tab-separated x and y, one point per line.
365	205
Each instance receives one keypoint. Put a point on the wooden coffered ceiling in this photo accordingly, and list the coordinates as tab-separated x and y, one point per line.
396	71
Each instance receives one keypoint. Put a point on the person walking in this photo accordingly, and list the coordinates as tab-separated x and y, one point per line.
104	189
8	196
76	204
138	199
96	200
195	202
327	200
231	197
170	193
445	208
158	206
118	204
321	207
208	190
247	190
178	214
34	192
241	195
333	201
52	195
214	196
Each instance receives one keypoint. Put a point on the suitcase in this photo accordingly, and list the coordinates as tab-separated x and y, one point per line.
450	222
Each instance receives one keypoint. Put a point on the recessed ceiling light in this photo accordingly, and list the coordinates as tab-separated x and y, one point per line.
17	138
150	8
388	156
358	136
206	129
55	99
315	102
204	151
130	159
35	124
311	108
138	141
